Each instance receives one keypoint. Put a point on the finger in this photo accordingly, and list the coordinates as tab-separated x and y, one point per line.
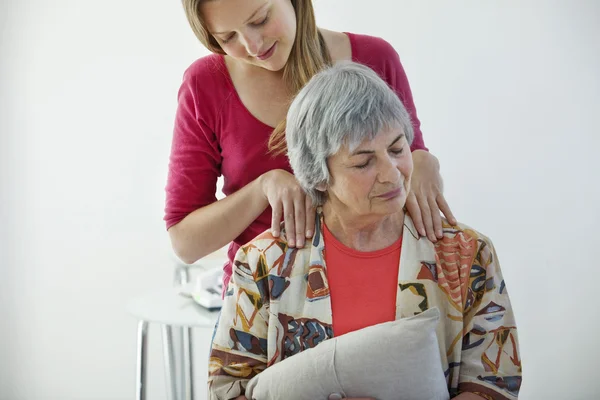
288	219
415	213
427	221
276	218
310	216
436	217
300	220
441	201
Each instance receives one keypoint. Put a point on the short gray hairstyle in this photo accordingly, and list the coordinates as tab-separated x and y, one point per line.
341	105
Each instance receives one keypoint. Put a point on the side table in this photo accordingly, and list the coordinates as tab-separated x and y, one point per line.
171	310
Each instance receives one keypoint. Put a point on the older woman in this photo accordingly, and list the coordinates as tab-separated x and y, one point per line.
349	141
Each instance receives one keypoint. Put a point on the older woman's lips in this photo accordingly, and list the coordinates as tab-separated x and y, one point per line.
267	53
392	194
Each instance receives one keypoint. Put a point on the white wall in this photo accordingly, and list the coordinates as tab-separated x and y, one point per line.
507	92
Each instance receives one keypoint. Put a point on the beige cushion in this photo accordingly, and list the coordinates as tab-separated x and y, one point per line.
393	360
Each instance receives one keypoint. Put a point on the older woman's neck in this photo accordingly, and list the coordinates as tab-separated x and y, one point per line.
364	233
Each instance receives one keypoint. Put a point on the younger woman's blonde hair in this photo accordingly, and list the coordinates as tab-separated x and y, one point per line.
309	54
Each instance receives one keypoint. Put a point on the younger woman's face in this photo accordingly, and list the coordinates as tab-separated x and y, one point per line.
257	32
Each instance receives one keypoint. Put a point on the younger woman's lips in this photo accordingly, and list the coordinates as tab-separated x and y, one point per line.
267	53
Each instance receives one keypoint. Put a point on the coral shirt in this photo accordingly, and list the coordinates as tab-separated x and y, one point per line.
216	135
363	285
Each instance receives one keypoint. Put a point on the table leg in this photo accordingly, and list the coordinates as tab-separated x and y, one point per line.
179	359
188	370
142	352
169	363
184	348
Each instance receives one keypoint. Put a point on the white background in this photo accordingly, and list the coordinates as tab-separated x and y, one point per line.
509	96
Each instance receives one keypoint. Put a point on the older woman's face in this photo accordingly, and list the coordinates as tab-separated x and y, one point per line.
374	179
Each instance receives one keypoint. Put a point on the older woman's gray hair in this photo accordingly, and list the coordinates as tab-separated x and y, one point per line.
342	105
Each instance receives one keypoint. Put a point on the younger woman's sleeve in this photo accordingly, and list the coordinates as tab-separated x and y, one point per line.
399	81
195	160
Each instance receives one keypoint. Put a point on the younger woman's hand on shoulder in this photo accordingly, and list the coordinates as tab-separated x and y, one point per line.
426	199
289	201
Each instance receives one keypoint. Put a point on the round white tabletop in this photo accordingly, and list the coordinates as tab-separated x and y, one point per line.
167	306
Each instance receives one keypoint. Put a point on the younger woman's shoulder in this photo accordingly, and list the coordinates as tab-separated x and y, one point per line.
206	86
366	47
206	66
208	75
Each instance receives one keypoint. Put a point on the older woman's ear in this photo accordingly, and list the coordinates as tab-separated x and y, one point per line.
322	187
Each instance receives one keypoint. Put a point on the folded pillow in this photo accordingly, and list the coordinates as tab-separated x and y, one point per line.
393	360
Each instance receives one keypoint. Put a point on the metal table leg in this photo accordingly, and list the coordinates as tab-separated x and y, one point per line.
186	362
142	352
188	371
169	363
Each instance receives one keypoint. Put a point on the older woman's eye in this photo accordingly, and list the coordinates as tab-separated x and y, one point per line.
362	166
397	151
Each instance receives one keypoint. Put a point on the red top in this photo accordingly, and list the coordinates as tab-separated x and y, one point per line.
216	135
363	285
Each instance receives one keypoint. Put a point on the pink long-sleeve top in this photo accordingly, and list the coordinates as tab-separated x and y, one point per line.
216	135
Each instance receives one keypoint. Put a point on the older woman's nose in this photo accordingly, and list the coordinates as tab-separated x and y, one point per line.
388	171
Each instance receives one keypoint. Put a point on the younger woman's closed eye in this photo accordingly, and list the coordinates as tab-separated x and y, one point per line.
225	41
261	22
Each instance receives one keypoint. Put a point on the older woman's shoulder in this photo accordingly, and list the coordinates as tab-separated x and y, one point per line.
266	243
460	247
461	228
463	239
270	255
266	238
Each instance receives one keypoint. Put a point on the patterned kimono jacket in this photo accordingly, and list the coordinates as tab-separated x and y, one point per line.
278	304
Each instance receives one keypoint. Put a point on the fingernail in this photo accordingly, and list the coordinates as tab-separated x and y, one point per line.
335	396
300	243
308	234
439	234
422	233
291	243
275	233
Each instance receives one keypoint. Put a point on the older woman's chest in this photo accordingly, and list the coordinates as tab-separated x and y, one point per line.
301	314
